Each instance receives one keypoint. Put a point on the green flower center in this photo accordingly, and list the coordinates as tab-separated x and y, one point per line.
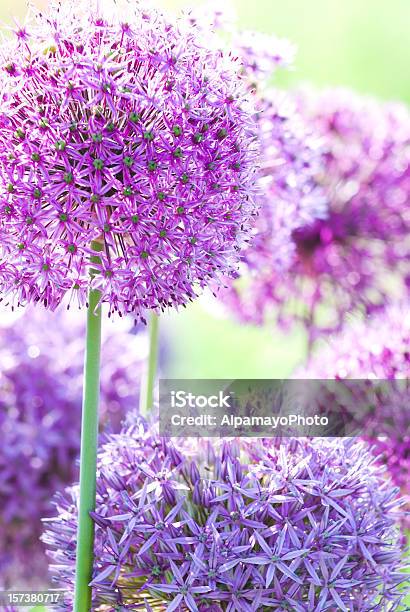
60	145
98	164
20	134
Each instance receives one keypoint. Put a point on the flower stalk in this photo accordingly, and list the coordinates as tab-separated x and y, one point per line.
88	453
147	395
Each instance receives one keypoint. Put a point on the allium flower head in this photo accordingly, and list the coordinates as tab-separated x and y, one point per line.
262	54
41	359
376	349
301	526
129	134
344	261
291	198
288	192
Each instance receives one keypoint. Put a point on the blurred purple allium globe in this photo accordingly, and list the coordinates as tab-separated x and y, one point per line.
302	526
288	192
377	349
344	261
130	133
41	359
290	196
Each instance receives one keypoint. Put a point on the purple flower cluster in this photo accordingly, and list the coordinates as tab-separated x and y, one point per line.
300	525
291	198
130	134
377	349
344	261
41	358
292	157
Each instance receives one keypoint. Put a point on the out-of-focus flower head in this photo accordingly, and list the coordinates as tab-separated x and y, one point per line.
291	198
41	359
260	54
357	255
377	350
289	194
128	133
263	54
295	526
214	16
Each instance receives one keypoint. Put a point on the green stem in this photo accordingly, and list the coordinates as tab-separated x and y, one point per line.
148	396
88	456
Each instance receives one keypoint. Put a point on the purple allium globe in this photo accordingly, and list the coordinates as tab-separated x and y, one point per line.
290	197
131	134
302	526
345	261
41	357
288	193
377	349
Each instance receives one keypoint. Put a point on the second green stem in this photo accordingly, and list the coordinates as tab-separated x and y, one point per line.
148	400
